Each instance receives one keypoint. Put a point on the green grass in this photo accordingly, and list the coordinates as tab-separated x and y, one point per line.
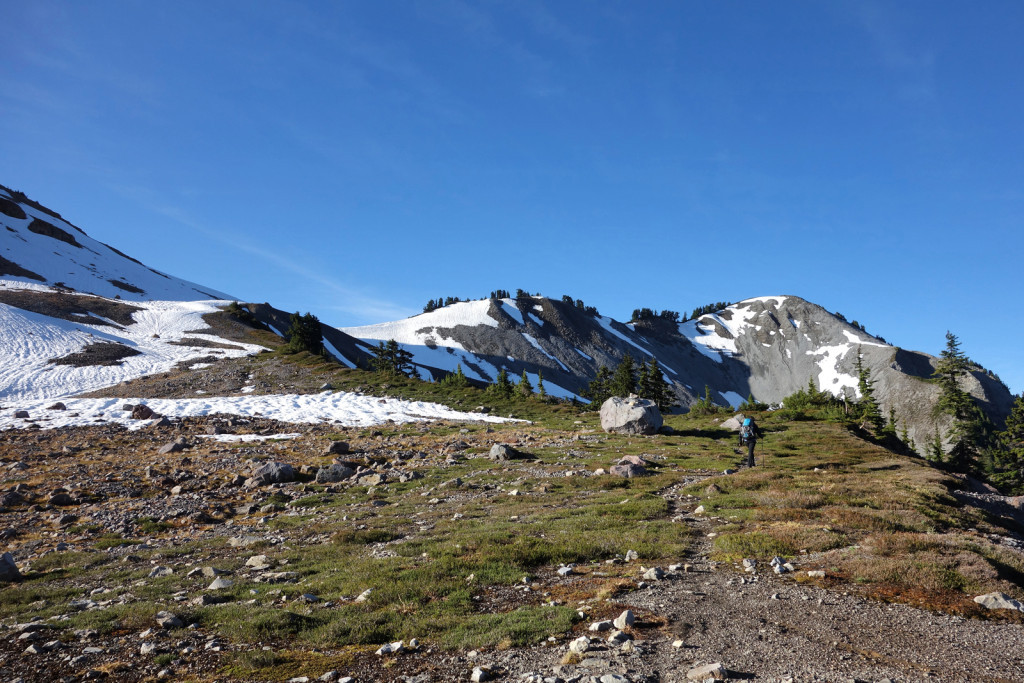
884	522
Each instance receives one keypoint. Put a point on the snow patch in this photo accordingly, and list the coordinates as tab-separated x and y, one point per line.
342	408
606	323
509	306
536	345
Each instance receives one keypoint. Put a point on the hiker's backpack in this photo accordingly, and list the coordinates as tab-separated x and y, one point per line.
747	430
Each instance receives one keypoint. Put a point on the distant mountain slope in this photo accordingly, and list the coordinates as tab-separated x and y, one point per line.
767	347
38	246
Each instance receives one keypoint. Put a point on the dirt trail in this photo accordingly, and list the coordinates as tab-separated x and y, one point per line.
766	627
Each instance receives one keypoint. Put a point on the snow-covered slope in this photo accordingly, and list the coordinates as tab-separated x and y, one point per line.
37	246
481	336
30	341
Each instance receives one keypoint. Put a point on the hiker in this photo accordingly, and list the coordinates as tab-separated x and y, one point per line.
749	434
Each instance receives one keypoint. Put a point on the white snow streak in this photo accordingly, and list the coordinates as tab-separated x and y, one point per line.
537	346
606	323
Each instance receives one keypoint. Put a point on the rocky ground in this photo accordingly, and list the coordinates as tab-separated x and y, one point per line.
171	484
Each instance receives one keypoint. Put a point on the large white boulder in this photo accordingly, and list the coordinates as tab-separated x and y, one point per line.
630	416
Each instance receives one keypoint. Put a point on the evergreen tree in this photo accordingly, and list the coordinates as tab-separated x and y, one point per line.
652	386
599	389
502	387
869	409
889	430
1009	450
970	429
304	334
391	359
525	388
541	391
456	379
624	380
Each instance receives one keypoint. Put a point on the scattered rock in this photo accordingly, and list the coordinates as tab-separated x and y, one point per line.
628	470
580	645
624	620
142	412
272	473
61	499
714	671
654	574
168	620
999	601
175	446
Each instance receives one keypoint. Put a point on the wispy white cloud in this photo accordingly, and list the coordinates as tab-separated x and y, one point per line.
342	297
912	65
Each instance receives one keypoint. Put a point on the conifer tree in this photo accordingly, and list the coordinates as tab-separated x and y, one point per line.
624	380
1009	451
525	388
456	379
971	429
541	391
652	385
502	387
304	334
599	388
870	411
391	359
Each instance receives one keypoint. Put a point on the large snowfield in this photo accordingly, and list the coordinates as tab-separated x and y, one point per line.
29	341
29	382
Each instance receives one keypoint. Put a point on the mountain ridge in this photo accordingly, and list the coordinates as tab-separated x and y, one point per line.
765	347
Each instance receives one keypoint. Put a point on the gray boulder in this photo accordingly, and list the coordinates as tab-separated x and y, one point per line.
999	601
502	452
627	470
8	569
334	474
735	422
175	446
630	416
337	448
272	473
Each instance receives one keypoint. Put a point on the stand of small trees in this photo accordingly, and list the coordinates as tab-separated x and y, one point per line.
650	314
578	303
707	308
304	334
646	382
433	305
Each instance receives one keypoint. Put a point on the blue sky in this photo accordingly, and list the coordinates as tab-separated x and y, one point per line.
357	159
